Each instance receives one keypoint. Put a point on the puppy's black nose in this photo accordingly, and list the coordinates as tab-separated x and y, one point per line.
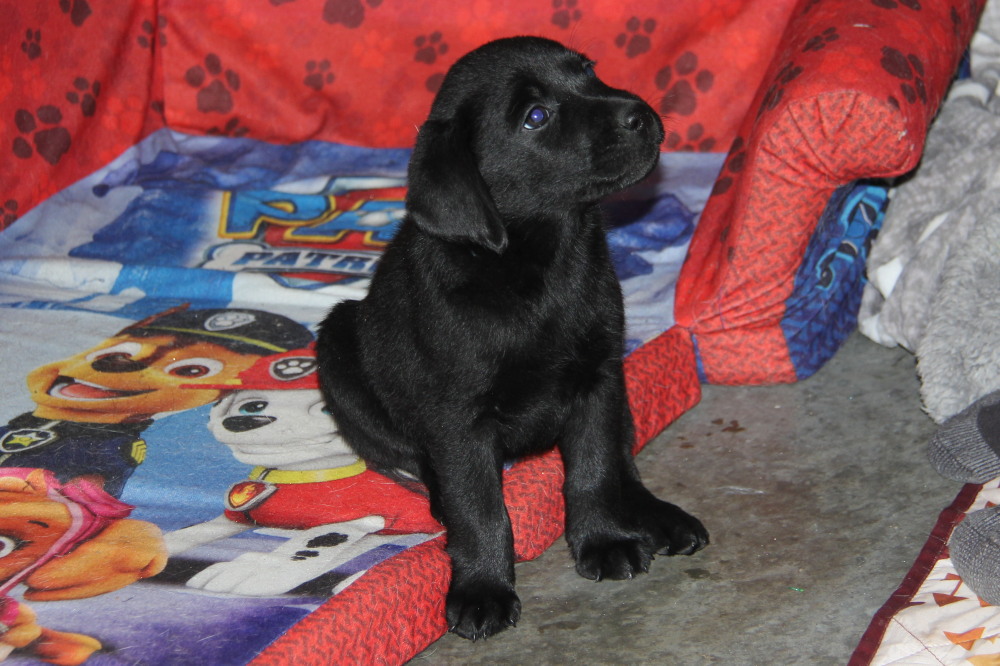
634	121
635	118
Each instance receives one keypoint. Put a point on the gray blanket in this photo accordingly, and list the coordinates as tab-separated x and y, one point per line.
935	269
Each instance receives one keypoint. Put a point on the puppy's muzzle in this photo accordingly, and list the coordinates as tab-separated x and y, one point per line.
638	119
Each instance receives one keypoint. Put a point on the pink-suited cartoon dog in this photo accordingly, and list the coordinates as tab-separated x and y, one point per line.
64	541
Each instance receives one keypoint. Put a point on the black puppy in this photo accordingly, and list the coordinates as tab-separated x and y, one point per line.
494	323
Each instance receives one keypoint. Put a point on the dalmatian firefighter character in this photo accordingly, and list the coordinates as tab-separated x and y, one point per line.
306	485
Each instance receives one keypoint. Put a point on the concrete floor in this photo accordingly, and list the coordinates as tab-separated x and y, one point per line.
818	497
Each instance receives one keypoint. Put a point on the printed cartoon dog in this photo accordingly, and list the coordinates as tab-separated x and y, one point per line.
64	541
306	483
93	407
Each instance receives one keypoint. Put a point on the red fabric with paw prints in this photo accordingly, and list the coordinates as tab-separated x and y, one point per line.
849	96
78	85
365	71
82	80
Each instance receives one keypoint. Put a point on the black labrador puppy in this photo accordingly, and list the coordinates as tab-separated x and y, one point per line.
494	324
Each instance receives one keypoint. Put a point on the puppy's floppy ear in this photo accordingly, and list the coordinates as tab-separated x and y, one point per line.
447	196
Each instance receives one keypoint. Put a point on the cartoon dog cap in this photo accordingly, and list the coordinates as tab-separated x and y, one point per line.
242	331
291	371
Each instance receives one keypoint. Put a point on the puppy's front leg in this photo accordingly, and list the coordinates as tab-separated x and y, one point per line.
614	525
481	599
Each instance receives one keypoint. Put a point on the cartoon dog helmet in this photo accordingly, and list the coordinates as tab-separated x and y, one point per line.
244	331
290	371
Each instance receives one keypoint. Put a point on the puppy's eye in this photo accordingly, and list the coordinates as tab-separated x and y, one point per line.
588	69
537	117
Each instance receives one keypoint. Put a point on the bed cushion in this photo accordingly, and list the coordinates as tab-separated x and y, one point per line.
849	96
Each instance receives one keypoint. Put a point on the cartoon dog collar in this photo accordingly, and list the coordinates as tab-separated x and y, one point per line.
271	475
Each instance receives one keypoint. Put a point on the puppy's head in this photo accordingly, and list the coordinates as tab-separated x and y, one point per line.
522	128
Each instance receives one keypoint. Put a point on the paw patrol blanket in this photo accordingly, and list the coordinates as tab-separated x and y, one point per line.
162	428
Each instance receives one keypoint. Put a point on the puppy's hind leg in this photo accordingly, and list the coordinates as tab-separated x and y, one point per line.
614	524
359	415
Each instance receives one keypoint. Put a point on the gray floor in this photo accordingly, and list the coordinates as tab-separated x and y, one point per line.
818	497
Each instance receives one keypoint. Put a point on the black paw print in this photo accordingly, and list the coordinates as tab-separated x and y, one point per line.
735	162
32	45
786	75
819	42
429	47
85	94
318	74
216	96
78	10
566	13
153	34
910	70
635	39
895	4
694	140
158	107
8	214
433	82
348	13
50	143
231	128
682	82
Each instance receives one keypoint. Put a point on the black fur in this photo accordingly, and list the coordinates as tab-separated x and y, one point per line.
494	323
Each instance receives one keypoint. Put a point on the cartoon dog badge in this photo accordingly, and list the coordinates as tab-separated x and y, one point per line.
306	486
93	407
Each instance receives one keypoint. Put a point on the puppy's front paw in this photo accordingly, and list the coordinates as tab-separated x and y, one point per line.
614	559
672	530
477	611
624	550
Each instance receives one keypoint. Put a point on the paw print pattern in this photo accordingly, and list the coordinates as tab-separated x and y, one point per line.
786	75
735	162
78	10
231	128
158	107
153	34
48	139
566	13
429	47
348	13
895	4
8	214
32	44
819	42
910	70
216	96
683	81
85	94
696	139
318	74
635	39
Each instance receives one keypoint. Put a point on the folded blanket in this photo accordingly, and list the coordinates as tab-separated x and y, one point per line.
933	269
